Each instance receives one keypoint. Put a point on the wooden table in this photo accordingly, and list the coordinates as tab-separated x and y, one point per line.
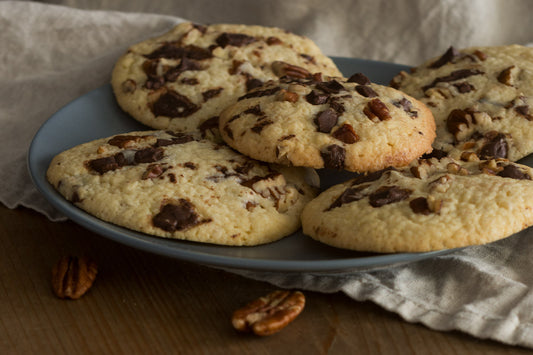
146	304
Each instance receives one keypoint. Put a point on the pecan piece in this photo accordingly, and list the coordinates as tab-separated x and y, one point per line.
269	314
72	277
282	69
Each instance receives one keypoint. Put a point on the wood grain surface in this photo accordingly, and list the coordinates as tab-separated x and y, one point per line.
143	303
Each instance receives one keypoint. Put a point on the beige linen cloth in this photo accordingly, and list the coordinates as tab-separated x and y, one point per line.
49	55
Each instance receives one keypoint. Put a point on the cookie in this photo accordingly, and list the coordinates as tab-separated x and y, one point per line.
480	98
329	122
182	80
433	205
181	186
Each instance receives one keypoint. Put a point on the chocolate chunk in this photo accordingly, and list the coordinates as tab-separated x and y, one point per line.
75	198
103	165
420	205
284	138
172	50
496	147
330	87
150	67
183	138
189	81
185	64
209	94
333	157
245	168
173	104
254	110
447	57
369	177
152	171
336	106
190	165
234	39
366	91
316	98
252	83
388	194
514	172
308	57
435	153
260	93
524	111
154	82
326	120
258	127
359	78
176	216
208	125
148	155
123	141
351	194
456	119
455	75
346	134
376	108
465	87
407	106
228	131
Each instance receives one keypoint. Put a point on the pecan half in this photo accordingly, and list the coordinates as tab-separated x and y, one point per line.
72	277
282	69
269	314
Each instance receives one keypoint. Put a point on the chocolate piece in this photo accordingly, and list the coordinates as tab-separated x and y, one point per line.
359	78
330	87
420	205
176	216
173	104
208	125
505	76
351	194
336	106
103	165
308	57
185	64
123	141
514	172
272	41
407	106
172	50
455	75
258	127
252	83
179	138
209	94
456	119
260	93
316	98
190	165
326	120
148	155
435	153
369	177
524	111
254	110
346	134
234	39
463	88
366	91
496	147
388	194
333	157
447	57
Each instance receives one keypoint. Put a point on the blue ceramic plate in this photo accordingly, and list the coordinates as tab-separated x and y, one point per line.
96	115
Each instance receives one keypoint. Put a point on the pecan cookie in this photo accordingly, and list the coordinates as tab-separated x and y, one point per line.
434	204
181	186
184	78
480	98
329	122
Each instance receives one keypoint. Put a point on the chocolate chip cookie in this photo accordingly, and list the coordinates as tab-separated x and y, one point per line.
181	186
329	122
434	204
182	80
480	98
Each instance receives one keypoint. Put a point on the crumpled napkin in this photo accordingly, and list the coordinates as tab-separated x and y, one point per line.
50	55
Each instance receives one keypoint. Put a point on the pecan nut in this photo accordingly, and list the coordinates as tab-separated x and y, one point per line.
282	69
269	314
72	277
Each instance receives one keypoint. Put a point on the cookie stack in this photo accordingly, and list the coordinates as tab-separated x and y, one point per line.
241	115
